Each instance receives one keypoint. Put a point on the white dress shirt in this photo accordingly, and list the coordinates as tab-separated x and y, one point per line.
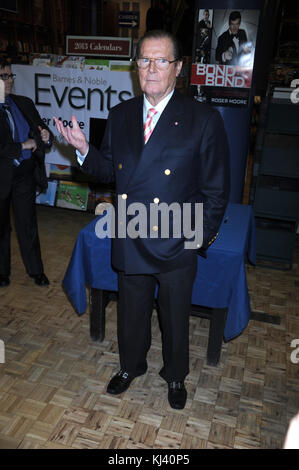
159	107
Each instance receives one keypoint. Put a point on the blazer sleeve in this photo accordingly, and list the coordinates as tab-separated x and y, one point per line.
99	163
34	120
214	177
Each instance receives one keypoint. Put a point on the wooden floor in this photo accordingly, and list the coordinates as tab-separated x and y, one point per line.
53	382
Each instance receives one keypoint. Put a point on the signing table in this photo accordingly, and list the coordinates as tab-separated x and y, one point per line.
220	290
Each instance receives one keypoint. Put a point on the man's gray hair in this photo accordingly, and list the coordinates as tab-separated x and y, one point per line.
160	34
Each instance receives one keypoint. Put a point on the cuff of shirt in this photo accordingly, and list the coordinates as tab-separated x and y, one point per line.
80	157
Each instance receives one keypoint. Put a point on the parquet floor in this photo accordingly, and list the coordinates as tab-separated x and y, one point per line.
53	382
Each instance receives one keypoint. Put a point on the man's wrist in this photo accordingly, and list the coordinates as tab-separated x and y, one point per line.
84	150
81	156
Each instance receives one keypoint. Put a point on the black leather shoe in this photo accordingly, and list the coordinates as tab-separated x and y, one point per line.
40	279
177	395
119	383
4	281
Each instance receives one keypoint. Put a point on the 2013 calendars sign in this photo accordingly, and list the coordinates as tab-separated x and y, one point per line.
99	46
223	56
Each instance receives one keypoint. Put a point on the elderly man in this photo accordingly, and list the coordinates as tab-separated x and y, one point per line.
23	138
161	147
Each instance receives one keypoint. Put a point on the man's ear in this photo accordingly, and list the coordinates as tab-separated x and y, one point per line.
179	67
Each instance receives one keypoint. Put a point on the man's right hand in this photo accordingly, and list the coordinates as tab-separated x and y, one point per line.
227	55
74	136
29	144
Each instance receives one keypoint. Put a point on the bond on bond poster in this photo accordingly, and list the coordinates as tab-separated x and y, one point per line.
223	56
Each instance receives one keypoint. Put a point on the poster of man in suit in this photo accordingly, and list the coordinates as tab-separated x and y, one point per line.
205	18
203	36
223	56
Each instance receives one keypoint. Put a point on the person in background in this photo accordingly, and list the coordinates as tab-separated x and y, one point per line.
23	139
205	22
232	44
160	147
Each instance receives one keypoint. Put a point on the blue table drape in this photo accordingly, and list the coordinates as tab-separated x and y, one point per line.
221	277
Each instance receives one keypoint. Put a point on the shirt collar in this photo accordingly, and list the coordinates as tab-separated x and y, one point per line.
159	107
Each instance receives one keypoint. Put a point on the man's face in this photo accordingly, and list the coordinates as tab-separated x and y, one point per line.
234	26
8	84
206	15
157	84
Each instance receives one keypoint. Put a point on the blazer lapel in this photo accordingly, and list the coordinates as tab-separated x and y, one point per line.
4	123
134	134
134	124
163	133
23	108
166	125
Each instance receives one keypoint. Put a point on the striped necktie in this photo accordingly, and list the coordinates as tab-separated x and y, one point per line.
149	125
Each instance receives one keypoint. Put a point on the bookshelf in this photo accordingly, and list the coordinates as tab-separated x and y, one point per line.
288	36
38	26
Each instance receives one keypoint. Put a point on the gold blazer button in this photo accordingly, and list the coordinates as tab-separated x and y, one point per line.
167	172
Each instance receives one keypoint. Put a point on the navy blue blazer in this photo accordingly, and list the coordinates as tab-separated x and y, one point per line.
10	149
185	160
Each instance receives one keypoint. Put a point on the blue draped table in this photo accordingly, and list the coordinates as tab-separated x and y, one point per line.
220	281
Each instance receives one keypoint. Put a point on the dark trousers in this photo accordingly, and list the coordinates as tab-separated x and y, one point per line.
135	306
22	199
